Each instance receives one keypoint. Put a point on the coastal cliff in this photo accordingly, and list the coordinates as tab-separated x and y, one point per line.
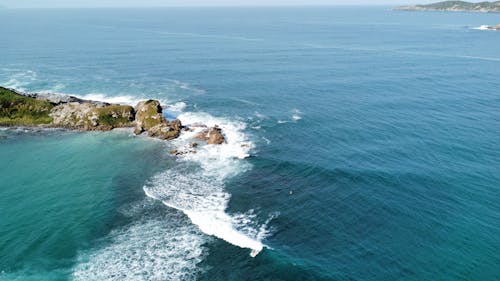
58	111
455	6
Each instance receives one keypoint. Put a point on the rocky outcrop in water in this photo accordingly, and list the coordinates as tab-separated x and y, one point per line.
211	136
215	136
61	111
149	118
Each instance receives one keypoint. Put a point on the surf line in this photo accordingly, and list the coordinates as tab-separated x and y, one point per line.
217	223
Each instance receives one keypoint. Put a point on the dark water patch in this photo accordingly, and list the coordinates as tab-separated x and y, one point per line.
374	220
268	265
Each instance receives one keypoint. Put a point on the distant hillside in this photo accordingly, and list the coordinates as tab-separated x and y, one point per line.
455	6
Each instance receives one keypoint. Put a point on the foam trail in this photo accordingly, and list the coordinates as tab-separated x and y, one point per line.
199	35
129	100
157	246
203	199
176	107
219	225
196	185
21	80
296	114
482	27
186	86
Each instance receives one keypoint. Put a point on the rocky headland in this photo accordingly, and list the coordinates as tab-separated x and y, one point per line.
455	6
61	111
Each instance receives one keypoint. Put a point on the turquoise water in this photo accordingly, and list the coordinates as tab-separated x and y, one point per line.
371	135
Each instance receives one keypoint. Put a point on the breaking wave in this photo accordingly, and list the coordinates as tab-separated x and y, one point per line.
125	99
196	186
157	246
482	27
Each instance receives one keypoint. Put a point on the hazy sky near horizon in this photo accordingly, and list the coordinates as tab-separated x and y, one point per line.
159	3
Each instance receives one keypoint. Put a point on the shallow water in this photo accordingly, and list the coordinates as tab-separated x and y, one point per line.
363	144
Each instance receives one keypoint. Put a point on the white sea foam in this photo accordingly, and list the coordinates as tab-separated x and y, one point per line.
176	107
165	247
124	99
203	199
260	115
413	53
200	193
482	27
297	114
19	80
199	35
237	143
244	101
195	187
186	86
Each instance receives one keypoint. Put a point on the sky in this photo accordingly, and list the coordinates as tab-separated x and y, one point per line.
167	3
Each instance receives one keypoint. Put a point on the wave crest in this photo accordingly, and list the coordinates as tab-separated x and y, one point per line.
196	185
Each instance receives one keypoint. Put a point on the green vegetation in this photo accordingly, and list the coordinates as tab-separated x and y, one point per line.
23	110
456	6
18	110
151	116
115	115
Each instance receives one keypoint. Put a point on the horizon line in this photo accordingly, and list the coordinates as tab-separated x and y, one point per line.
203	6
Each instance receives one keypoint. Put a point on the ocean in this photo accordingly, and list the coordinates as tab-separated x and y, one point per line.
362	144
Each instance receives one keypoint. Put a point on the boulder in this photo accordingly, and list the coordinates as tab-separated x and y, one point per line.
149	119
147	115
163	131
182	152
176	125
215	136
211	136
203	135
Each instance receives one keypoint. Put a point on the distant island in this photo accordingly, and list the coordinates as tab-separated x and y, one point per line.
455	6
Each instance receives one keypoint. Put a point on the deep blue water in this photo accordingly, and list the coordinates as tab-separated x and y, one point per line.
373	141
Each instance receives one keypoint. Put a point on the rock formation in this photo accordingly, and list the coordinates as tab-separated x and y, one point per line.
149	118
215	136
89	116
211	136
50	110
